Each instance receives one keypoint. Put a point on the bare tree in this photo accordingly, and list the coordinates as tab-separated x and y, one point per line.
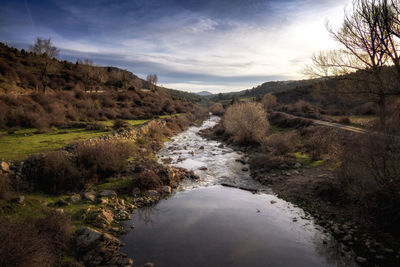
87	69
47	52
152	79
368	46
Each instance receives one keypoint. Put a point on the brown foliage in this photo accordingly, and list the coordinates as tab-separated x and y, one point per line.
322	141
103	157
269	101
246	122
217	109
284	143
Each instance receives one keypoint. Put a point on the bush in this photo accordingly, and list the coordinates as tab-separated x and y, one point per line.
369	173
120	124
53	172
246	122
217	109
103	158
5	187
287	121
269	101
322	141
269	161
21	245
284	143
147	179
303	106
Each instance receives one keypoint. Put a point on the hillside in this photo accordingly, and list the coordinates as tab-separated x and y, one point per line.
20	72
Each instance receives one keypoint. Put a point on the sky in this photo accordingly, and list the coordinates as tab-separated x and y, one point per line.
192	45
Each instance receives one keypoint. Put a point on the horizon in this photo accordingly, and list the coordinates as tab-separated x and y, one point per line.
216	46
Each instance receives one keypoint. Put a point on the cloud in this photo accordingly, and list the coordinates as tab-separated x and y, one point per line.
222	45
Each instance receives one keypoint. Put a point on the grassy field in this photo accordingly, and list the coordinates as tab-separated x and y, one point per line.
24	142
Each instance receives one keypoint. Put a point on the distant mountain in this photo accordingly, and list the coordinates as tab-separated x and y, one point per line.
204	93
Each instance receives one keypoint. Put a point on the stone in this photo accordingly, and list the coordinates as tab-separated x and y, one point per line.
86	236
74	198
4	166
204	168
90	196
60	211
202	147
104	218
103	200
108	237
272	201
18	200
221	146
166	189
108	193
148	264
245	169
361	259
153	193
127	261
297	165
136	191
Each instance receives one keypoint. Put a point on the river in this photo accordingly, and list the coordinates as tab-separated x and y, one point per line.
207	223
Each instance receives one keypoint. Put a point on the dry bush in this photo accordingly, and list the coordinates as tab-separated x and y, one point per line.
120	124
147	179
303	106
268	161
246	122
57	228
53	173
21	245
287	121
217	109
103	157
284	143
5	186
322	141
369	173
269	101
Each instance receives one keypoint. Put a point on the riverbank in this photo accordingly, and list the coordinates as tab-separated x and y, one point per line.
90	212
311	185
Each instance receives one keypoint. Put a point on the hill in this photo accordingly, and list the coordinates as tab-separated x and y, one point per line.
204	93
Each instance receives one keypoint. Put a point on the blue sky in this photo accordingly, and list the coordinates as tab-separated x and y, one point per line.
192	45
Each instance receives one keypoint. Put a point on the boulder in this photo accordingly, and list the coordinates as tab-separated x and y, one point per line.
74	198
104	218
61	203
166	189
204	168
87	236
90	196
108	193
4	166
153	193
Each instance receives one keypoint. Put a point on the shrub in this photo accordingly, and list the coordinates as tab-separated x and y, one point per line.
246	122
53	172
120	124
57	228
103	157
287	121
5	187
269	161
21	245
269	101
303	106
217	109
284	143
322	141
147	179
369	173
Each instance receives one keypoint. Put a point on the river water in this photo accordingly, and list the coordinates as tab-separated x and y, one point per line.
206	223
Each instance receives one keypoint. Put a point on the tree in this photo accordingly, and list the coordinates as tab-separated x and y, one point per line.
152	79
368	45
269	101
47	52
87	69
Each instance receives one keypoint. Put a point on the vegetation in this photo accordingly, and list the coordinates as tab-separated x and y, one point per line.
246	123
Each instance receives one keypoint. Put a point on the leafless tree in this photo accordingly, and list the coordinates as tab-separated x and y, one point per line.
152	79
368	45
47	52
87	69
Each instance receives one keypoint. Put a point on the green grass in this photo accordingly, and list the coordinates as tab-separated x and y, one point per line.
22	143
306	159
